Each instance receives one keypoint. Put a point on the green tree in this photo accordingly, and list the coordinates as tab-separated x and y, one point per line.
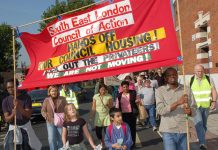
62	7
6	48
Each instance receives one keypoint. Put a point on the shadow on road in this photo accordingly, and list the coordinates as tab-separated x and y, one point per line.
151	142
45	148
37	120
83	111
212	144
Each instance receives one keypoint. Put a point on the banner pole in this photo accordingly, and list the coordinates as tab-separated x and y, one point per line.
15	87
183	70
52	17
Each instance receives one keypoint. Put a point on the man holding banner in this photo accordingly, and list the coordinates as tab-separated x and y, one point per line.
25	135
172	106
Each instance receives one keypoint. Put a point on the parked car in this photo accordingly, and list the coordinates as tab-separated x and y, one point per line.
37	97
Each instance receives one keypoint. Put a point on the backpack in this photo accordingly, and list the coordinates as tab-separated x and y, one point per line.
193	77
110	129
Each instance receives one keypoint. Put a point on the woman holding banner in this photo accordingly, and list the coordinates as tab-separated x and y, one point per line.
52	111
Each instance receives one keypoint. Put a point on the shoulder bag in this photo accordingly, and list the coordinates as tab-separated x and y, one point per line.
58	117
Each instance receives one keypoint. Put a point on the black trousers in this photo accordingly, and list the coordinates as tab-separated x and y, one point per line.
130	119
98	131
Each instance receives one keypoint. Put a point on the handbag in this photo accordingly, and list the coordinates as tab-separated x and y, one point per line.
58	117
143	115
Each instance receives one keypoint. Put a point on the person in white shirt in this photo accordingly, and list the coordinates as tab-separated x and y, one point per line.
147	95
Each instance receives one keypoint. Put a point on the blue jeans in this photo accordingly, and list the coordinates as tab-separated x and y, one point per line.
151	115
54	137
175	141
9	144
201	123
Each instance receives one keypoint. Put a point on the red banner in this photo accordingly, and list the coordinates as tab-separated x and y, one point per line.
105	40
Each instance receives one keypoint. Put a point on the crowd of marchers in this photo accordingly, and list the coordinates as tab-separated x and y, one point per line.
115	112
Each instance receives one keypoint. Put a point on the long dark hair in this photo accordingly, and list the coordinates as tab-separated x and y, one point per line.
101	86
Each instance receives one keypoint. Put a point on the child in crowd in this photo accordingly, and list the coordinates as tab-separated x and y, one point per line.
118	135
73	129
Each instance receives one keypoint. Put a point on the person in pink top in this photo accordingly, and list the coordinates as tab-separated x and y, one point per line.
131	84
127	103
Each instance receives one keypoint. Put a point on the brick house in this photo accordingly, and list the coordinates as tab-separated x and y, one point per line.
199	27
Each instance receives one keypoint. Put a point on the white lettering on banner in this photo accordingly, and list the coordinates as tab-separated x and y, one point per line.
117	63
131	52
72	72
100	26
90	17
109	57
125	61
52	75
93	68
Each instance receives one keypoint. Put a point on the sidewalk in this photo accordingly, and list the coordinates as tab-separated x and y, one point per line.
211	135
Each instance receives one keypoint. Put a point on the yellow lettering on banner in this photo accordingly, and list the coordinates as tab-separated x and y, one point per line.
157	34
100	44
46	64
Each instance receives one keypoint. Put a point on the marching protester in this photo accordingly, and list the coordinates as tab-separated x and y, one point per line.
144	75
131	84
69	94
73	129
139	84
127	102
102	102
118	134
205	95
172	106
53	112
25	135
147	94
154	82
159	77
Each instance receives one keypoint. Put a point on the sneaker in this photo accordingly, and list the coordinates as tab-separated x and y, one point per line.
154	128
202	146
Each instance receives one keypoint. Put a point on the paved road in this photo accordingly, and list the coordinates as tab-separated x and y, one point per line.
148	139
